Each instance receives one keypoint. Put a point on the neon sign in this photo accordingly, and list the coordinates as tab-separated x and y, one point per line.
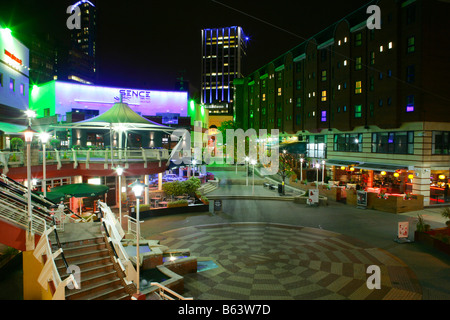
13	57
128	94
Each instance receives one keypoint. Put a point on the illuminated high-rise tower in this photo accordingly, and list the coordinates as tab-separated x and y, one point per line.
84	39
223	52
77	61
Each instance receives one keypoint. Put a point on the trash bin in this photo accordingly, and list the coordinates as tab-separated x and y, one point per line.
217	205
280	188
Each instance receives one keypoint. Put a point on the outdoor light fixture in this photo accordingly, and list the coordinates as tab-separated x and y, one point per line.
317	175
411	176
247	159
442	177
343	168
253	163
323	171
28	133
396	174
44	137
137	188
301	169
383	173
352	169
119	171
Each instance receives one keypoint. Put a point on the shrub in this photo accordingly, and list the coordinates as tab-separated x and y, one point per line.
144	207
178	203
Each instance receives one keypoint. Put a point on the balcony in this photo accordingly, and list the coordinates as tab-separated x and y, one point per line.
11	159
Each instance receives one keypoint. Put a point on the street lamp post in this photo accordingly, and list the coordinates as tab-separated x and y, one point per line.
253	162
194	162
323	171
44	139
137	188
119	172
28	138
301	169
317	175
246	170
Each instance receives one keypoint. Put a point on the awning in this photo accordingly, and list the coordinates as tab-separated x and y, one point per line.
11	128
380	167
340	163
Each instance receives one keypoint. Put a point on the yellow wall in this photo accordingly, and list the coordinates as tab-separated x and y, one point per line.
32	268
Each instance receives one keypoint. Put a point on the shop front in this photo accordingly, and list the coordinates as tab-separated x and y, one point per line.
439	187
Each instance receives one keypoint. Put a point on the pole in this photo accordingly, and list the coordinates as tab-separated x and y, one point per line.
323	173
30	209
317	175
301	170
246	172
253	186
120	199
138	231
44	171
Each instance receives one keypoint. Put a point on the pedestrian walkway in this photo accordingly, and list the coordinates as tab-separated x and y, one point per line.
251	258
277	262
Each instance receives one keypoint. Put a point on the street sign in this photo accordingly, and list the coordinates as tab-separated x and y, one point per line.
403	230
361	199
313	197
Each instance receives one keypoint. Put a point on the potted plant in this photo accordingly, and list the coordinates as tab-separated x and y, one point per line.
446	214
421	225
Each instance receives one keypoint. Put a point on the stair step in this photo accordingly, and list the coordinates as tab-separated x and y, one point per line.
89	263
83	258
80	243
83	248
95	290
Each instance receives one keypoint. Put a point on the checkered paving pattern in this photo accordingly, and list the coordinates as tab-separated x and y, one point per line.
278	262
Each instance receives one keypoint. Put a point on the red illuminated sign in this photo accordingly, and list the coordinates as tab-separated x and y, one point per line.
9	54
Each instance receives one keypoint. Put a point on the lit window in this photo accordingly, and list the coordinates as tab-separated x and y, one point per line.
358	39
358	64
22	89
339	42
264	97
411	44
345	62
410	104
381	48
339	87
324	116
358	87
324	75
12	84
345	40
279	91
358	111
324	95
391	45
372	58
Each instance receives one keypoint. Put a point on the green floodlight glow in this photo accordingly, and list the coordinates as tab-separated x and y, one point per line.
7	31
192	104
203	110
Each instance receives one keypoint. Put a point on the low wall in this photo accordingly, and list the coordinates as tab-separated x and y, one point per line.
171	211
182	266
394	204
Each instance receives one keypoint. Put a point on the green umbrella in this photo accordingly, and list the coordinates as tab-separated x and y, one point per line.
55	197
81	190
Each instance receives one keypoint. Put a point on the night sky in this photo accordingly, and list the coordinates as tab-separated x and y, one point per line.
148	44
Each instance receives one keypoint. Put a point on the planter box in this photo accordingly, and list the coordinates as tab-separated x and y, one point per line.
428	239
394	204
170	211
333	194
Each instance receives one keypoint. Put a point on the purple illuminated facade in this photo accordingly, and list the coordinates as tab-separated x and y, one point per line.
58	98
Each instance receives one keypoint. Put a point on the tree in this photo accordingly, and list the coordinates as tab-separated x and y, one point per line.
285	168
16	144
191	186
224	126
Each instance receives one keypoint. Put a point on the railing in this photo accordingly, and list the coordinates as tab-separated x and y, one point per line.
115	235
43	252
167	294
76	156
132	225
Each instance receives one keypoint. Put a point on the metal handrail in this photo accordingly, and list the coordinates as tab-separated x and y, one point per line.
162	292
59	245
